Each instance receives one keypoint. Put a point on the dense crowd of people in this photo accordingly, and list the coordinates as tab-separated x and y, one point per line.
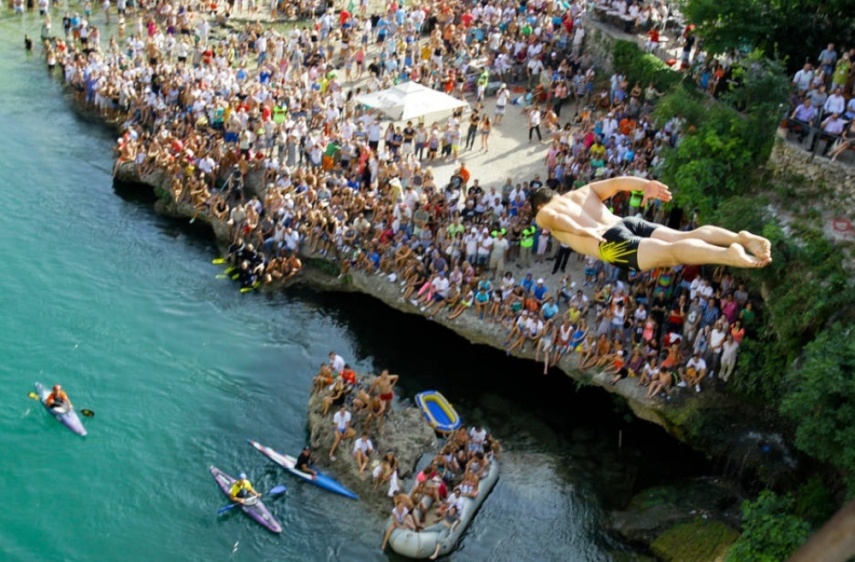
261	130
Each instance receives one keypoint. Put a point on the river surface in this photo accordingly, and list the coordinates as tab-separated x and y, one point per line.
123	308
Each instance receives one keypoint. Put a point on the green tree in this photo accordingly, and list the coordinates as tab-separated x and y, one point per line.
711	162
819	400
770	532
787	29
644	68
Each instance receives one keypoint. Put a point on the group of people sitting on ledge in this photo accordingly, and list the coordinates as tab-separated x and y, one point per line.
823	102
356	403
440	488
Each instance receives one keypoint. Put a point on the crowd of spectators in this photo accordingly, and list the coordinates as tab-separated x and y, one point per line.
823	102
260	129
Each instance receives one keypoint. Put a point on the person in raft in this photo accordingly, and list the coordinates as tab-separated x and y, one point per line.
58	399
242	491
581	220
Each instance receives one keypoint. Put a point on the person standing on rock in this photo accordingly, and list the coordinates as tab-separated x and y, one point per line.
336	362
384	385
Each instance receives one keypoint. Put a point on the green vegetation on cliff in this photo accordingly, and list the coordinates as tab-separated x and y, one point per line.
770	533
700	540
799	358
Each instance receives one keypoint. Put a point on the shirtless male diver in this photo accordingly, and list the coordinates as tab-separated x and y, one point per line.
581	220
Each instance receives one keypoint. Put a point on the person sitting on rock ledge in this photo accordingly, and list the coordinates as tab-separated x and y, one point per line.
362	449
336	397
343	431
581	220
323	379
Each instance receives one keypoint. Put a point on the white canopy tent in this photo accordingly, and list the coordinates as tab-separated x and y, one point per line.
411	100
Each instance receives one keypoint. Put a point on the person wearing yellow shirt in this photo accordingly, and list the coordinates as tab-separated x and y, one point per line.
242	491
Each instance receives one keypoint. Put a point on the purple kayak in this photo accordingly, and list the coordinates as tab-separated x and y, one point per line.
258	511
66	416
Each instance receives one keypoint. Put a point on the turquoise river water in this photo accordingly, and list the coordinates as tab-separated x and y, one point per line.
122	307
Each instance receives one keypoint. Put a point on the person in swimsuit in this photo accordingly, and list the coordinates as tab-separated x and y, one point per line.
581	220
383	384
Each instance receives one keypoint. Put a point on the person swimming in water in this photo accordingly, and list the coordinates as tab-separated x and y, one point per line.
581	220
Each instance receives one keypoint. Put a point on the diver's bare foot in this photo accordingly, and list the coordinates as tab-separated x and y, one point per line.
738	257
758	246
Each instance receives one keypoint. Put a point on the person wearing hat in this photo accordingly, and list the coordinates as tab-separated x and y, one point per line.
242	491
304	461
397	189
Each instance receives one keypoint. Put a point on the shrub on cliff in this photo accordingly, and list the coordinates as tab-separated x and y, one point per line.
819	400
642	67
770	532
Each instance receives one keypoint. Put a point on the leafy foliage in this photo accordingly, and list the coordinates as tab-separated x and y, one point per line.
791	30
770	532
759	90
813	502
712	163
820	400
642	67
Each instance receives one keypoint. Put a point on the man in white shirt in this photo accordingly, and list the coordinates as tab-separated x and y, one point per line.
835	103
362	449
802	78
715	342
485	244
696	369
336	362
341	421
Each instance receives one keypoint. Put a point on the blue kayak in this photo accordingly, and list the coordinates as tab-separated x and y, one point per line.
289	463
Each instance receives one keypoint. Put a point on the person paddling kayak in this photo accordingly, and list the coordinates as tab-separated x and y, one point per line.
58	399
242	490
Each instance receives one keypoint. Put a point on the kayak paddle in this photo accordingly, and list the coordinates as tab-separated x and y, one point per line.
272	492
250	288
86	412
218	261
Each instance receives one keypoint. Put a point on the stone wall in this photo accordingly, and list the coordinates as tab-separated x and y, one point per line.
835	181
599	43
